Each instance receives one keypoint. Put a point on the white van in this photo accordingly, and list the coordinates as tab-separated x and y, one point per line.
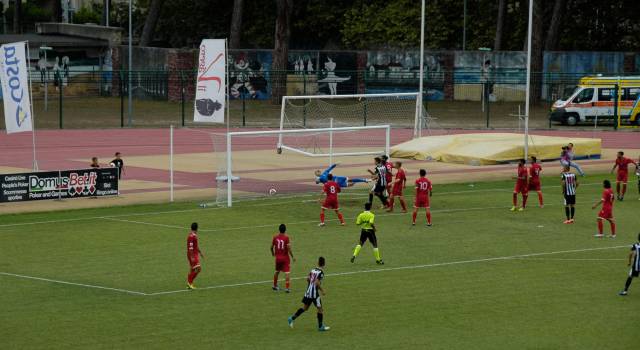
594	97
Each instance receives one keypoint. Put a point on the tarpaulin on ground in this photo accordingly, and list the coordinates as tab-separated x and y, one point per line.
491	148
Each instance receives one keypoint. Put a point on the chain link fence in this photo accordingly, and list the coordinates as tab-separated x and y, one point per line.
460	99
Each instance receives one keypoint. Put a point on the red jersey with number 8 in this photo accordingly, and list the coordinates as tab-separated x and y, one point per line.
331	189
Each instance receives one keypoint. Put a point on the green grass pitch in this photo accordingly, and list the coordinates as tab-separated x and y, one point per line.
481	278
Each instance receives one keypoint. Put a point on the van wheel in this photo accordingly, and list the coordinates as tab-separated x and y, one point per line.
571	119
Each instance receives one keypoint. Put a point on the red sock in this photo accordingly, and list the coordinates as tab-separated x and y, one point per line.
618	188
540	198
414	217
287	281
600	228
341	218
613	228
403	204
275	279
428	217
322	217
190	277
515	199
524	200
391	203
624	189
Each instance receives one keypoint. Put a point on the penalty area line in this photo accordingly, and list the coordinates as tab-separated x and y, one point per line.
92	286
408	267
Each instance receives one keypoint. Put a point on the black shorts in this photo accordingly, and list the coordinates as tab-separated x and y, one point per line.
569	199
634	273
368	235
315	301
379	188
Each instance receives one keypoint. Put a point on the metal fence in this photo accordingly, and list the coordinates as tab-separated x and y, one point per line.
458	99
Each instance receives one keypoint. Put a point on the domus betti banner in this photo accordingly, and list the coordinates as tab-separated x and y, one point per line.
15	87
211	84
58	184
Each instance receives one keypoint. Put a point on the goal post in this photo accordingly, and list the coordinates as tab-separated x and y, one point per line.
398	110
257	162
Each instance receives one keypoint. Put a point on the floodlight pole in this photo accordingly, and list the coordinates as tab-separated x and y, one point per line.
528	87
418	123
130	102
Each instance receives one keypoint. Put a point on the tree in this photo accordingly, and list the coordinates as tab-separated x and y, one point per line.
502	7
236	24
150	22
17	16
281	49
551	42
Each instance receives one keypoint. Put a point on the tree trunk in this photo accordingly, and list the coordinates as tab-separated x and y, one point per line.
150	23
537	43
56	16
105	4
236	24
502	6
17	16
554	28
281	50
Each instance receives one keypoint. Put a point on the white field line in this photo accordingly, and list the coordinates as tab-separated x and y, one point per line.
263	204
577	259
409	267
72	283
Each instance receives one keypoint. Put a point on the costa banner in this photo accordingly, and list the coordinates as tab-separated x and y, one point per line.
15	87
62	184
211	82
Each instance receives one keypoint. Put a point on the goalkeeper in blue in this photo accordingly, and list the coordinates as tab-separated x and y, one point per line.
343	181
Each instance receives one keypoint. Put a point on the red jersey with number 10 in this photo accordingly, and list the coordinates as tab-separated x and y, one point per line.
331	189
423	186
280	243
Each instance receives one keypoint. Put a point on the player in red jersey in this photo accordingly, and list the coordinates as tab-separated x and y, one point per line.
331	190
398	186
534	179
423	192
281	250
389	173
522	186
622	163
606	213
193	255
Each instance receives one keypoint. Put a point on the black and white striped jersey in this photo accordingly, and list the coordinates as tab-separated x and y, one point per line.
635	264
570	183
381	173
316	274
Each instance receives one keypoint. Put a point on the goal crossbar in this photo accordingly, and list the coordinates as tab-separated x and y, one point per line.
331	154
337	97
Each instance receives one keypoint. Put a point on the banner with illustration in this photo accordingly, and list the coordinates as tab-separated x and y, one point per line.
15	87
250	74
211	82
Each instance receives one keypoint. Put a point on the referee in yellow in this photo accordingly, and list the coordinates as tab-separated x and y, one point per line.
368	232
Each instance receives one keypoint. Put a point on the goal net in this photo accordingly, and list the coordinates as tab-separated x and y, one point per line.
399	110
250	165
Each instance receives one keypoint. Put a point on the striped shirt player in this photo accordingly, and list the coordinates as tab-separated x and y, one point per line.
569	186
634	263
312	295
380	186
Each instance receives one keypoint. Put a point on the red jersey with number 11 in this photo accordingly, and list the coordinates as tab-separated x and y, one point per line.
192	245
280	243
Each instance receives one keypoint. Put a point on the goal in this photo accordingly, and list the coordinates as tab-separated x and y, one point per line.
257	164
399	110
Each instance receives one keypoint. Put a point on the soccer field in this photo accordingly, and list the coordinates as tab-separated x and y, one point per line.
481	278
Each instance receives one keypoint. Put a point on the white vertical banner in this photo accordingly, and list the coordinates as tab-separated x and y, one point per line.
211	82
15	87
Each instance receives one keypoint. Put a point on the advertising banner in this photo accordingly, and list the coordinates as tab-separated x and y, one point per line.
58	185
15	87
211	82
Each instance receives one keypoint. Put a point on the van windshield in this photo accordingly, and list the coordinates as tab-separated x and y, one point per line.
568	92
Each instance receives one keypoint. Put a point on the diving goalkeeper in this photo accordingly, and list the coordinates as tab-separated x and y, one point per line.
343	181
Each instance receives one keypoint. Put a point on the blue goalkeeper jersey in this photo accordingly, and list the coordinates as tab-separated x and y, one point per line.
341	180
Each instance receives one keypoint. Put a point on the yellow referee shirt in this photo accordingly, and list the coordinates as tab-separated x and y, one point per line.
365	220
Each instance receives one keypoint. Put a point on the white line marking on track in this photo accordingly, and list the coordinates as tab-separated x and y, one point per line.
577	259
72	283
409	267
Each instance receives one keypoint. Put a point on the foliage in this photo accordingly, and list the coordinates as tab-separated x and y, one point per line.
86	15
